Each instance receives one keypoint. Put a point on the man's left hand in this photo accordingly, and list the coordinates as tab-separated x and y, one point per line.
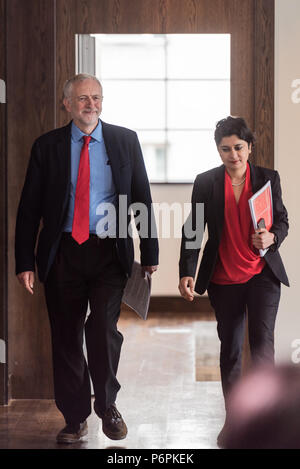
262	239
148	268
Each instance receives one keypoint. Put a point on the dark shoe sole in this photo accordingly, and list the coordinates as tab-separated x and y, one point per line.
69	438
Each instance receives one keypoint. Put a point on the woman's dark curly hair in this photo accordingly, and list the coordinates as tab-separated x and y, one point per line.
234	126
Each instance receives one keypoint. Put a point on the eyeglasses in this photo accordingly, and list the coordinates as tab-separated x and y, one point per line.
86	99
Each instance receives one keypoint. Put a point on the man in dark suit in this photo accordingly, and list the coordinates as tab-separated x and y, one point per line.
73	172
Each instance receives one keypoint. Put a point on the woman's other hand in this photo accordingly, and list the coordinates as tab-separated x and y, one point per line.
186	288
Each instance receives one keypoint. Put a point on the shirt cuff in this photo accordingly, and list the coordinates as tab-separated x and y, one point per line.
274	246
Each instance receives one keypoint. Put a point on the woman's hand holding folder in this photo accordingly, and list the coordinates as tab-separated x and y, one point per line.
262	238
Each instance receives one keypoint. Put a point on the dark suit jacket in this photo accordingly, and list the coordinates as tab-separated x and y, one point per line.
209	189
46	191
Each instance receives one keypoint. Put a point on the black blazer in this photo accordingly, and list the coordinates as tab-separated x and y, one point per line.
45	197
209	190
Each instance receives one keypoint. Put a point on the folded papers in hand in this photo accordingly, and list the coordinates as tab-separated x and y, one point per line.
137	291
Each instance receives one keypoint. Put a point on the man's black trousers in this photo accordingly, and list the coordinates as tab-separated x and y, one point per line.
260	297
81	274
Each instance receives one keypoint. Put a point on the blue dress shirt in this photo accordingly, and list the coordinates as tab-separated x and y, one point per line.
102	188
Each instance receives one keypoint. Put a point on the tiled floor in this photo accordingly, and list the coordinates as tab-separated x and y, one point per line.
161	401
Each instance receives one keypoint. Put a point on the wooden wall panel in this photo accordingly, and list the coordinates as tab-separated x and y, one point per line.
119	16
264	82
31	85
3	208
65	52
242	65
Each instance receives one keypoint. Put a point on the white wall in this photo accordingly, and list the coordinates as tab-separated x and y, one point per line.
287	162
165	280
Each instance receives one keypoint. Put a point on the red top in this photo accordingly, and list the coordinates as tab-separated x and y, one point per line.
237	261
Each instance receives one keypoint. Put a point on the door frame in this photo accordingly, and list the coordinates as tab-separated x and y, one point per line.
250	23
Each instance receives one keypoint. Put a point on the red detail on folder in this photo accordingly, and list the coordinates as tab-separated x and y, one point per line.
261	206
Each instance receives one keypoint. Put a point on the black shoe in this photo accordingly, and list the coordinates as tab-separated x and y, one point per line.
72	432
113	425
221	436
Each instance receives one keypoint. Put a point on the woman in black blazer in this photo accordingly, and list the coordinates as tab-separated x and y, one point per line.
231	270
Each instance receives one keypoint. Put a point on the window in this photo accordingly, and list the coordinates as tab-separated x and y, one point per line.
171	89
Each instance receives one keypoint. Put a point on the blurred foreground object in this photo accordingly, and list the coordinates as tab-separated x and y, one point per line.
264	410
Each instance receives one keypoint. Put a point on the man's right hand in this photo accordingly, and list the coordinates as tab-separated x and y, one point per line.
186	288
27	280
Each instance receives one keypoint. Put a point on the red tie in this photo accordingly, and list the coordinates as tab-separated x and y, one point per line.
81	219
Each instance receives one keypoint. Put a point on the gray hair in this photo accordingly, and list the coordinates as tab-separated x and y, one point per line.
76	78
